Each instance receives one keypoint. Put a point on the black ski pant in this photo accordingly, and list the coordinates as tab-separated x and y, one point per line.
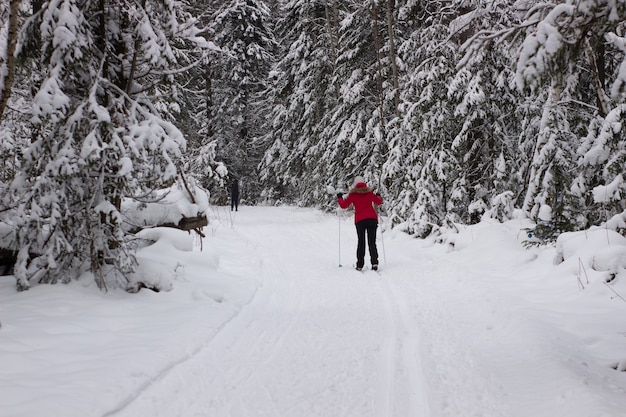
367	226
234	202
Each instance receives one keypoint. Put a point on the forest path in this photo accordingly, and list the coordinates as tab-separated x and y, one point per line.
316	339
422	338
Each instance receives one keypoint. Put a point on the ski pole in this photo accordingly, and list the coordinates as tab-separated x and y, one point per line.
382	237
339	240
332	190
382	241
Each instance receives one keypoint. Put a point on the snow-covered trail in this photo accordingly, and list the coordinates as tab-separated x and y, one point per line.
316	339
484	329
432	335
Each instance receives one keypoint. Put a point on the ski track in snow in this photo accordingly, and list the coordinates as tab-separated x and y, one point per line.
316	340
321	341
405	385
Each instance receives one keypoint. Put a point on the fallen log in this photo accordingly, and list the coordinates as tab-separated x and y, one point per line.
192	223
188	224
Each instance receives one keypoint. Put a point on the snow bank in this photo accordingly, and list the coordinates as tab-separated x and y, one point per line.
487	328
74	350
159	272
484	237
167	239
587	252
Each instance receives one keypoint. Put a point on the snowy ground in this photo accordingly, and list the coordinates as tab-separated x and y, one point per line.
263	322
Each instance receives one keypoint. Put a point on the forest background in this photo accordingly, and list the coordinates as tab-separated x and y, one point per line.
453	110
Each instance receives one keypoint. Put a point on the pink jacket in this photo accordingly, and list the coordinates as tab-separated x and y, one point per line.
364	200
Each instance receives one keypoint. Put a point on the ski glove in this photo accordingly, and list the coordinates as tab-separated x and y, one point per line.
339	195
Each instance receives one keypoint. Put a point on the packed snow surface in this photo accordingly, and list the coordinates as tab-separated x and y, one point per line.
264	322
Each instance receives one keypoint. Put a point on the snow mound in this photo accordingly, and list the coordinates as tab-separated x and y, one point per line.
478	241
598	249
156	271
167	236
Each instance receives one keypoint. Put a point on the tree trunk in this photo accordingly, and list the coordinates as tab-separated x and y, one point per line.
332	31
596	60
392	55
208	94
101	37
335	14
7	70
379	76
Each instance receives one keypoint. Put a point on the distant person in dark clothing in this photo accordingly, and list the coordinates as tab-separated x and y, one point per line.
234	195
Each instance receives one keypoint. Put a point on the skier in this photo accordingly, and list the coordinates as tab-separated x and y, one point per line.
365	219
234	195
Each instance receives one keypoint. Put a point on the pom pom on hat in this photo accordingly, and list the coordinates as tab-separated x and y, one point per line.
358	180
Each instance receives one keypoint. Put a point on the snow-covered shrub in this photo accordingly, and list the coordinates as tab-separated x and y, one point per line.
502	207
618	223
476	209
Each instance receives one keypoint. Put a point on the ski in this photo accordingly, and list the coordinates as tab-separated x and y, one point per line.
365	269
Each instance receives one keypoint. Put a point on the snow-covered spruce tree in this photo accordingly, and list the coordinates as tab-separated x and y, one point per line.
239	75
195	118
454	145
98	135
193	108
602	153
456	129
601	181
302	93
547	198
485	104
38	200
420	163
351	138
565	50
404	18
13	108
